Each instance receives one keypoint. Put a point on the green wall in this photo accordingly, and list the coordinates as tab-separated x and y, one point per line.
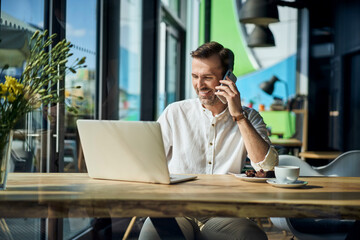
225	29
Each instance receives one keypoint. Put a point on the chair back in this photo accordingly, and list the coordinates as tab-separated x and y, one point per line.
338	166
345	165
305	168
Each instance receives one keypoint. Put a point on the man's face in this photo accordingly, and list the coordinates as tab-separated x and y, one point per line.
206	74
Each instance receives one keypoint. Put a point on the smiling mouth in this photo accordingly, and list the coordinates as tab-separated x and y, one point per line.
204	92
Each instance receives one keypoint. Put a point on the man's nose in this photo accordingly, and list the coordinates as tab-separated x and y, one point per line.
200	83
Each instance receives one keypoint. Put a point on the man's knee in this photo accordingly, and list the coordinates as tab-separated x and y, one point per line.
232	228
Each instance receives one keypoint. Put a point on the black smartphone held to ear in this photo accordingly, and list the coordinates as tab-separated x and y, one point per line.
232	78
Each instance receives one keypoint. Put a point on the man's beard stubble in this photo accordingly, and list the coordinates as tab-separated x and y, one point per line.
210	101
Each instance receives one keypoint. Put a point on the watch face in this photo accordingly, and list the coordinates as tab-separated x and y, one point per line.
245	114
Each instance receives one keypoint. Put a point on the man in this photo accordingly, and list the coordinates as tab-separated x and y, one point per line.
206	136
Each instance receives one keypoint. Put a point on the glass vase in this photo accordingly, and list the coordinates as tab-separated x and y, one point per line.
6	136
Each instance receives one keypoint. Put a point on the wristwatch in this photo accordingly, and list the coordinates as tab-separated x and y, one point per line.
240	116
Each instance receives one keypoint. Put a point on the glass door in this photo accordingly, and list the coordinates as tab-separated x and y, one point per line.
170	67
19	20
171	63
130	60
80	87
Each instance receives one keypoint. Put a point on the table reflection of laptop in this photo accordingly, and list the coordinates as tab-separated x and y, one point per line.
126	150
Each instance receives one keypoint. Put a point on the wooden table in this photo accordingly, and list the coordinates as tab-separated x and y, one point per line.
286	142
320	154
60	195
294	145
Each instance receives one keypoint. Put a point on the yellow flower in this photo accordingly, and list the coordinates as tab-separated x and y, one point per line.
11	98
2	89
14	85
11	89
10	81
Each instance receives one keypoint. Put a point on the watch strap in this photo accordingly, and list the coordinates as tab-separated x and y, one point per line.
239	116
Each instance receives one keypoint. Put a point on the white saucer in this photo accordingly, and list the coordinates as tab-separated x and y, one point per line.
296	184
250	179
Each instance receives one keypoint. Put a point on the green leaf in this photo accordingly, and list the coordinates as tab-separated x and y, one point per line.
35	35
72	70
82	61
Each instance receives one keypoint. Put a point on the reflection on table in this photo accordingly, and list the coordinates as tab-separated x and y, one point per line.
29	150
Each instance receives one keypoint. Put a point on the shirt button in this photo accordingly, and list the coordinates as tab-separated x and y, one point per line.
209	162
211	144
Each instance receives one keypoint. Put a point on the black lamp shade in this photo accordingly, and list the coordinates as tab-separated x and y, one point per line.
260	12
268	86
261	36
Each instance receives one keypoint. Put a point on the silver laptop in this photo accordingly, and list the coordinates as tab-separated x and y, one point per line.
126	150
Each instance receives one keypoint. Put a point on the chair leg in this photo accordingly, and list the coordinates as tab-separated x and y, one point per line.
128	229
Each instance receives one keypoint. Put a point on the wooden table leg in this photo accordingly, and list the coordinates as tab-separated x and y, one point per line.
128	229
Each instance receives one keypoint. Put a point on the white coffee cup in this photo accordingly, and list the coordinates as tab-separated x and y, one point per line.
286	174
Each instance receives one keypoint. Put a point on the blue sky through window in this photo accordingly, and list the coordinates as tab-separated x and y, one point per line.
80	27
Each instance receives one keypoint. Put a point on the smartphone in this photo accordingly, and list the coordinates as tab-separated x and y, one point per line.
232	78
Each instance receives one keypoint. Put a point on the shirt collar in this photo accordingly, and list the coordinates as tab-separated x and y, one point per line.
223	115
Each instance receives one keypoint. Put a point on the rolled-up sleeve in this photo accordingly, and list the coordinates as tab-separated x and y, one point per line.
271	158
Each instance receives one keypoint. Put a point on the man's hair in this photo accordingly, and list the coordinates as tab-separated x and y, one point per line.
214	48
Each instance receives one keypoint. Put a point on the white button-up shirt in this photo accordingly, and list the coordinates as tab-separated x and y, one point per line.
197	142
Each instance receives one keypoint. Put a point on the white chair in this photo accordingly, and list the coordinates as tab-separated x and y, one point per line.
305	169
345	165
297	226
292	225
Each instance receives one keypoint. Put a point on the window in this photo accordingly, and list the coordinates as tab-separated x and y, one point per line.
19	20
171	66
130	60
173	6
81	32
